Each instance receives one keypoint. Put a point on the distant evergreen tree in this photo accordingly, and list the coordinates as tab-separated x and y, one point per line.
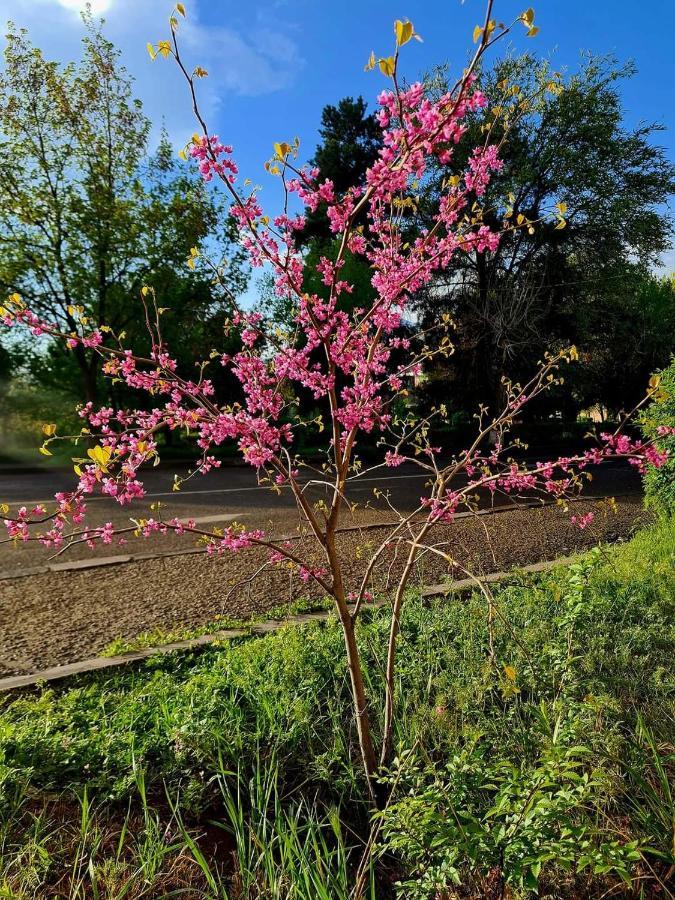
350	141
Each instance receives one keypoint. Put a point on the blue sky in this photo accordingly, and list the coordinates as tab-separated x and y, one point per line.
273	64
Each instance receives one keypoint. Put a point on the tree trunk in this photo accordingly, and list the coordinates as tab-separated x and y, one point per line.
359	698
88	370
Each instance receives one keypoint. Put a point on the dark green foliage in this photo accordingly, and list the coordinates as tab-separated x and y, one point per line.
350	141
588	283
625	331
660	483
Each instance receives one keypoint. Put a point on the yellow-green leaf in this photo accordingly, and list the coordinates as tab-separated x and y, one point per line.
4	509
151	51
370	65
477	33
100	455
282	149
44	451
528	17
532	32
403	31
49	430
387	66
181	9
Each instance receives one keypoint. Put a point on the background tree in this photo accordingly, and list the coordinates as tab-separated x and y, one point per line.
350	139
86	219
567	143
626	331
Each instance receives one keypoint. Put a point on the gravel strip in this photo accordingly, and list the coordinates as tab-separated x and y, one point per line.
58	618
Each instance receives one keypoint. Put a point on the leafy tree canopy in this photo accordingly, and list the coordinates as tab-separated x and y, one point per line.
564	141
86	217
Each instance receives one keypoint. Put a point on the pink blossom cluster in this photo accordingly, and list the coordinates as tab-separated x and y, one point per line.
213	158
583	521
639	453
234	539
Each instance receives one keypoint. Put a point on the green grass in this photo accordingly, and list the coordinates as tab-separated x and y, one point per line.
160	636
568	732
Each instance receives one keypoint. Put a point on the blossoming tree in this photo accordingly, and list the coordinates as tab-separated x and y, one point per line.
361	361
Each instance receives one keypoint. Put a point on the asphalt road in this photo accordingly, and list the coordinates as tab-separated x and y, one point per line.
225	495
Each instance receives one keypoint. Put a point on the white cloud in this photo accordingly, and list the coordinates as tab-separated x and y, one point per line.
97	6
259	62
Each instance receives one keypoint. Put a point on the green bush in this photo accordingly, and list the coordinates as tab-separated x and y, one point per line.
660	483
533	779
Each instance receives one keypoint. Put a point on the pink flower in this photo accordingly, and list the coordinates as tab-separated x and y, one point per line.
583	521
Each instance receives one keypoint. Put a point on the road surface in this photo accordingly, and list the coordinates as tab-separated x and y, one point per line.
226	495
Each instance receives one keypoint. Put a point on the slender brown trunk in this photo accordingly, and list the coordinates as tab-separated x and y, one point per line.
360	700
361	710
394	629
88	369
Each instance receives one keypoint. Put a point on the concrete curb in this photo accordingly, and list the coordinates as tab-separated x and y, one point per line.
99	663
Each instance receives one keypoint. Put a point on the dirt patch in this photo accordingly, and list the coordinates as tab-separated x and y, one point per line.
59	618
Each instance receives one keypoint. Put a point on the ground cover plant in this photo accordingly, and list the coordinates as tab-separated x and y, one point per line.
546	766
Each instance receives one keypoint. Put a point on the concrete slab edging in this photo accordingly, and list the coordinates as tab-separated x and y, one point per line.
100	663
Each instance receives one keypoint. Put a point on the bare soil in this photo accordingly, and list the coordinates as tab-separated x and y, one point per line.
57	618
